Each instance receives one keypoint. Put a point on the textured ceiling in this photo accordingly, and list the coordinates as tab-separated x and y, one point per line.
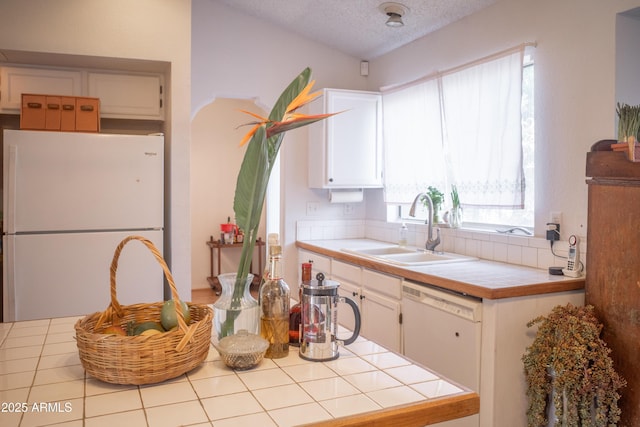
357	27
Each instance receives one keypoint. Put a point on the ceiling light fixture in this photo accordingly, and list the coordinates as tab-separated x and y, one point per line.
395	12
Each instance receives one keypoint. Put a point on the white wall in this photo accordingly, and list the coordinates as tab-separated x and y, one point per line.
628	58
215	161
85	32
574	85
237	56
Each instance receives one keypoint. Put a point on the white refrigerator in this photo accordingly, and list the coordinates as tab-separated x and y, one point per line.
68	200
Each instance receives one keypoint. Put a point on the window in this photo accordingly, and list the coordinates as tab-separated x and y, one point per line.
472	127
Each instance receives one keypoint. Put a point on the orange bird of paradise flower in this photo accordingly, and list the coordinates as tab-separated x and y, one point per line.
291	119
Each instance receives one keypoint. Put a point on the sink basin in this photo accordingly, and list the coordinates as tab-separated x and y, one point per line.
418	258
407	256
389	250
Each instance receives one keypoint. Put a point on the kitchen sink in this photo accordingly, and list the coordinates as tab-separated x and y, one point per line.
407	256
389	250
418	258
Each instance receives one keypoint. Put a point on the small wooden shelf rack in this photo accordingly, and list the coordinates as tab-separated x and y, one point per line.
216	247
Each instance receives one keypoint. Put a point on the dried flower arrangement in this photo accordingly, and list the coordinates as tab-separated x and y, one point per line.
569	357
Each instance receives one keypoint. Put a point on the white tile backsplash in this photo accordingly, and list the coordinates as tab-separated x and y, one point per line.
519	250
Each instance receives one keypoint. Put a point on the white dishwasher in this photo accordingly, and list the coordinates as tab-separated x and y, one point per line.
442	331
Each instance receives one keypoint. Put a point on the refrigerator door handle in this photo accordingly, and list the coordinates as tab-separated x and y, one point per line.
11	185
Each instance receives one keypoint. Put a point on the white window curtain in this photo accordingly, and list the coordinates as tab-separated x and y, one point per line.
481	107
414	151
461	127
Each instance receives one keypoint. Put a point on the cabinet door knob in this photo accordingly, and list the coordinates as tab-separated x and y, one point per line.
330	179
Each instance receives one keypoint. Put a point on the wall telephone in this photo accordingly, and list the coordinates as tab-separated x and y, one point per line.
574	266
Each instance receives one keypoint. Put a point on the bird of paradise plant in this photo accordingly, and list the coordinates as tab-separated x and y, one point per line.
264	141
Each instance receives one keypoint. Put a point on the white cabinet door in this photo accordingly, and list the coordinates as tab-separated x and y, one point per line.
381	320
349	277
345	150
14	81
346	317
133	96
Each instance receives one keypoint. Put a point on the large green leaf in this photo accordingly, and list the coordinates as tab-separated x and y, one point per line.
253	179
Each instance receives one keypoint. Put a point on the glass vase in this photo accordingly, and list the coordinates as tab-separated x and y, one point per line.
231	314
455	217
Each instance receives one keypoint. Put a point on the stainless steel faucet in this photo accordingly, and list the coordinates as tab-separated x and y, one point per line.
431	243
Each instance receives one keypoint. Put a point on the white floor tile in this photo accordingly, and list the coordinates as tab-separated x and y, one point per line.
218	386
303	414
251	420
386	360
20	353
349	365
57	375
328	388
395	396
58	391
53	412
185	413
308	372
411	374
16	380
349	405
281	396
436	388
120	401
94	386
261	379
19	365
58	360
366	347
374	380
172	391
129	419
231	405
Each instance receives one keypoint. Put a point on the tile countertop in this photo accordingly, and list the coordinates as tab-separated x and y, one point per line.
480	278
42	382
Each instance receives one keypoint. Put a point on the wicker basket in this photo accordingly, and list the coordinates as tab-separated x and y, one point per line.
140	359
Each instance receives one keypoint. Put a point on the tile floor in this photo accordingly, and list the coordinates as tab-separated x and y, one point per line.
43	383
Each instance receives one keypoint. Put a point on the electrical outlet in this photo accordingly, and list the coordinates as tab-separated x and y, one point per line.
553	231
349	209
312	208
555	217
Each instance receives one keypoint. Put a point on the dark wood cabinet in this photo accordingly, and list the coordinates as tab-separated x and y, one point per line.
613	266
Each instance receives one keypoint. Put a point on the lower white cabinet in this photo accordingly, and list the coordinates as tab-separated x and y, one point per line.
382	322
378	298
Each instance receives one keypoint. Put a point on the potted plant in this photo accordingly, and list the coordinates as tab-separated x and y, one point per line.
236	308
437	198
628	129
570	376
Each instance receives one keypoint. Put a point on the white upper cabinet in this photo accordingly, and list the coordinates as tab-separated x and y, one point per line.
122	94
134	96
345	150
14	81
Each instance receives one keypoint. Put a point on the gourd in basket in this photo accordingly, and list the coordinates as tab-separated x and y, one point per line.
146	358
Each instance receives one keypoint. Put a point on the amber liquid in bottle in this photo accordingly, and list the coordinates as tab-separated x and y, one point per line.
274	306
295	317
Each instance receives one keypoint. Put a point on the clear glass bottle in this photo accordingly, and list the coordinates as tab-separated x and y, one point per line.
274	304
402	237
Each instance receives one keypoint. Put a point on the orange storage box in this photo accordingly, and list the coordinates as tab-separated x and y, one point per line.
63	113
